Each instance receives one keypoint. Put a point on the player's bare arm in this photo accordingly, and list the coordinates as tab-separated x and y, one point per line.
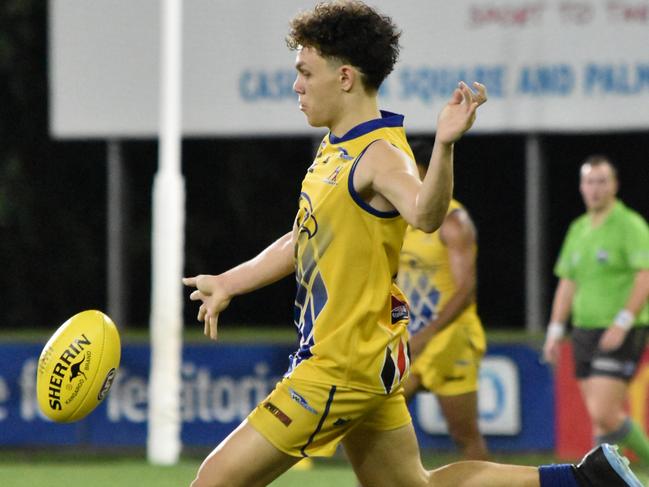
216	291
561	306
614	336
459	235
388	179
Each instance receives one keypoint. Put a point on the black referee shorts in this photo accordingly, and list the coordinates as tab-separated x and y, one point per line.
621	363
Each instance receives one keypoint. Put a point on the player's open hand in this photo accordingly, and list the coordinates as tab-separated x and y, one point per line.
459	113
211	292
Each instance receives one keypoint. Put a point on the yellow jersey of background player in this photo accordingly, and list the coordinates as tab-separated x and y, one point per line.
427	281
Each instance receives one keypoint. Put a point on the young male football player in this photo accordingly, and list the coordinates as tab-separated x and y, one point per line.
603	272
344	381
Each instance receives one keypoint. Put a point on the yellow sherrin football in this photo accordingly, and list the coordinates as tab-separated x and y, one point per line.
77	366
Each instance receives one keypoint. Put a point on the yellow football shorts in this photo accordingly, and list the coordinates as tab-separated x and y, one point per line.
302	418
450	363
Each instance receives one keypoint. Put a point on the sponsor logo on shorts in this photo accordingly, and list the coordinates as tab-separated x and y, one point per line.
278	413
301	401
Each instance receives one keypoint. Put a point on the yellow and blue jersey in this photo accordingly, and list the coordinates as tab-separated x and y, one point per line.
350	315
426	278
449	364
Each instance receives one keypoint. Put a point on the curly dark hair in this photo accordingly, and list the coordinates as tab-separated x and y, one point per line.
352	32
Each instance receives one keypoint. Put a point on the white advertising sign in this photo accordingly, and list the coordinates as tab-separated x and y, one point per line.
554	65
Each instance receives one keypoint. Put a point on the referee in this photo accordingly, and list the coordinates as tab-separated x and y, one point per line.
603	271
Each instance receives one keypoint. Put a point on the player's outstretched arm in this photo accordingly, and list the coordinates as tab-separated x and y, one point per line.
392	175
455	119
216	291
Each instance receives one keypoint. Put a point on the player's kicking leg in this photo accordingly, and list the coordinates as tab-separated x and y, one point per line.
392	459
244	459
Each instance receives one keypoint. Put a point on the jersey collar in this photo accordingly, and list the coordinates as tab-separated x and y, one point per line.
388	119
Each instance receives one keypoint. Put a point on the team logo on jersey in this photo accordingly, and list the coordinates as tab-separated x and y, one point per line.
332	178
305	221
344	155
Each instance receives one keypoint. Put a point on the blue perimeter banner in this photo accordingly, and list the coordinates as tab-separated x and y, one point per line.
222	383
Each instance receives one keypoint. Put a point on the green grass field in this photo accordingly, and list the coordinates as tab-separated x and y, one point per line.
46	470
133	473
41	469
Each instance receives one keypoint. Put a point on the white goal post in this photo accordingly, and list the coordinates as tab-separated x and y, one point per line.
163	440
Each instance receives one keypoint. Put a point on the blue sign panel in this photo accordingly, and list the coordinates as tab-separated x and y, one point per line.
515	404
221	384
